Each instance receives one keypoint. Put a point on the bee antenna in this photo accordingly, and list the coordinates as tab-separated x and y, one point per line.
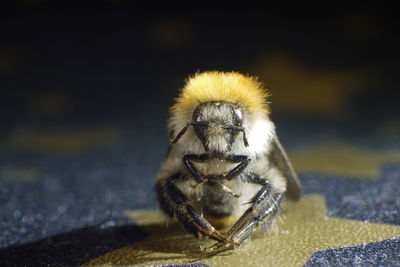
246	143
179	135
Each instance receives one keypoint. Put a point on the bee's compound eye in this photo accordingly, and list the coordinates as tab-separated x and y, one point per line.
197	117
237	117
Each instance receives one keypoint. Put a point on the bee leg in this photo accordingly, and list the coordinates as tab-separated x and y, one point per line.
176	204
198	176
221	187
244	162
264	204
270	210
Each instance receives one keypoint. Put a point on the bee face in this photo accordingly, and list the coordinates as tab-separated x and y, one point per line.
217	125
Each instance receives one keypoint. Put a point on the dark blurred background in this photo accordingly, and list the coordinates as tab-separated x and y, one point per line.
85	92
113	62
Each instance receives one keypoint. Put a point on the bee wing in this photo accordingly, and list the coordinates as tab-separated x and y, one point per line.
279	158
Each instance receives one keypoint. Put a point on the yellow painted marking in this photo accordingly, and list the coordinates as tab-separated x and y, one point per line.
342	159
62	140
298	87
21	174
305	230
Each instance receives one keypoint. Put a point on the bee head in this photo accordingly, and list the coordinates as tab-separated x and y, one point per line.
217	124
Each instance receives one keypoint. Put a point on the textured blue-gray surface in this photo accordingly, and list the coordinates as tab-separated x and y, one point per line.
360	199
385	253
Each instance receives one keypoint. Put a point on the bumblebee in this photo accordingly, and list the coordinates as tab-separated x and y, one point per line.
225	164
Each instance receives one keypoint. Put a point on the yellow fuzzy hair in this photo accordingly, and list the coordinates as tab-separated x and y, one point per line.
222	86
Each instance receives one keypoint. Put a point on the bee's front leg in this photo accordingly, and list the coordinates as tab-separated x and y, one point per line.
176	204
243	161
265	204
199	177
193	171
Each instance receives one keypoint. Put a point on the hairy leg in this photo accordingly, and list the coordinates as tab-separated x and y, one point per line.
264	205
176	204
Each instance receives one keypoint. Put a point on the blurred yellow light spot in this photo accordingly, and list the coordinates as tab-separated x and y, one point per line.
51	102
62	140
390	127
170	33
11	59
298	87
21	174
361	25
337	158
